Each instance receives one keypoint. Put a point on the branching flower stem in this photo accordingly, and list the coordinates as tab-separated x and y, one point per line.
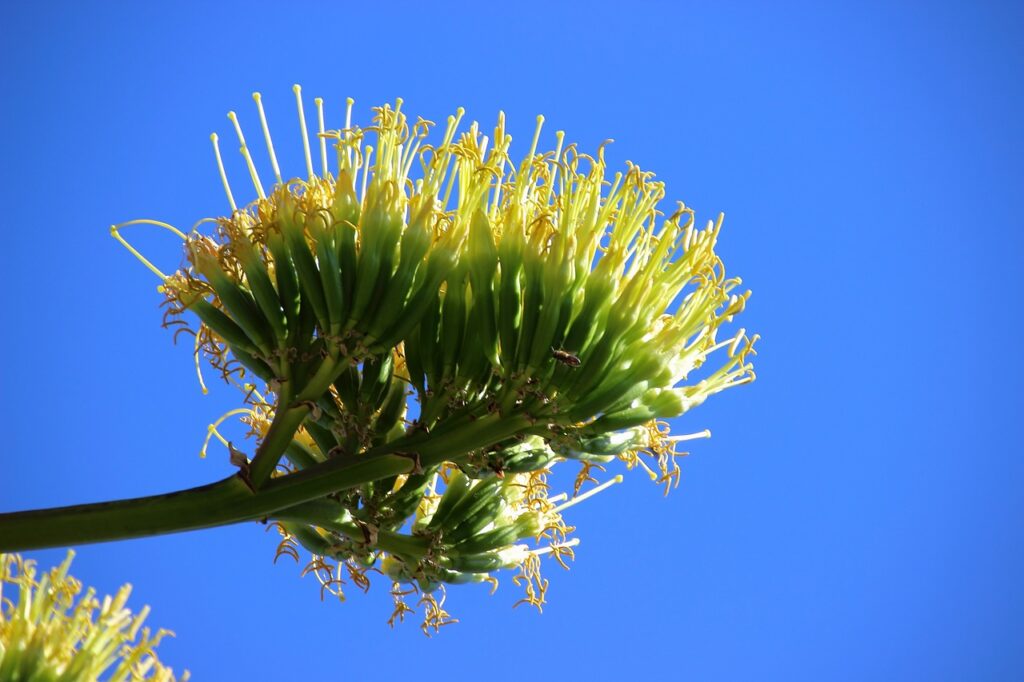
431	343
232	500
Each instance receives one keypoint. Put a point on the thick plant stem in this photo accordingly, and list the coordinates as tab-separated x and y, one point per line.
278	439
228	501
232	500
287	421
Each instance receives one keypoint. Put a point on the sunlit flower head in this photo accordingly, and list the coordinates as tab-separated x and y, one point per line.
427	295
49	630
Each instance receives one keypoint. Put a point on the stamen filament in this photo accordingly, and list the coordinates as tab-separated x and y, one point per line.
211	430
737	340
223	175
590	493
551	548
366	171
323	139
266	136
706	433
257	183
297	89
199	371
560	140
116	234
348	131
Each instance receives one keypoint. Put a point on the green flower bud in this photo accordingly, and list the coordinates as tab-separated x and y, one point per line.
537	312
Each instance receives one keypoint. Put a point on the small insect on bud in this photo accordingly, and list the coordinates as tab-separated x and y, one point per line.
565	357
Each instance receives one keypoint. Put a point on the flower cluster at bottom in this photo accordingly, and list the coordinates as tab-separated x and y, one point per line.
50	631
454	525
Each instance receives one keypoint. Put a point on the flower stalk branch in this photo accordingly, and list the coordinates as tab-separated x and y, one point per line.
435	328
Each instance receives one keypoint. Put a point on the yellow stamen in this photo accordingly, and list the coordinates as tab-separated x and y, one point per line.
536	138
212	431
297	89
348	131
116	234
319	101
560	140
706	433
248	157
590	493
266	136
737	340
368	154
554	548
560	497
223	175
199	371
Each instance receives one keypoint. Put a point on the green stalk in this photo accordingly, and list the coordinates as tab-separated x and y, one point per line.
327	516
287	422
218	504
278	439
232	500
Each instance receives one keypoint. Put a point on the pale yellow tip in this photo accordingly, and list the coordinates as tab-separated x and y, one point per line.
296	88
214	137
232	116
257	96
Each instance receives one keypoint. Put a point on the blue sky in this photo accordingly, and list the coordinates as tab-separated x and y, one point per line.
858	511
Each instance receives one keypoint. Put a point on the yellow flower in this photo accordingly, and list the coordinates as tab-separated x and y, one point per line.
486	319
50	631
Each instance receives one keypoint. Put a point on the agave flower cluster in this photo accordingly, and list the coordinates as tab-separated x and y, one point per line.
485	319
50	631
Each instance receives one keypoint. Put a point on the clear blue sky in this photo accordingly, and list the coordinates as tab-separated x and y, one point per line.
857	514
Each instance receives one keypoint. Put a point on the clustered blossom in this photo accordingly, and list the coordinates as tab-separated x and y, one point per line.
49	630
485	319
